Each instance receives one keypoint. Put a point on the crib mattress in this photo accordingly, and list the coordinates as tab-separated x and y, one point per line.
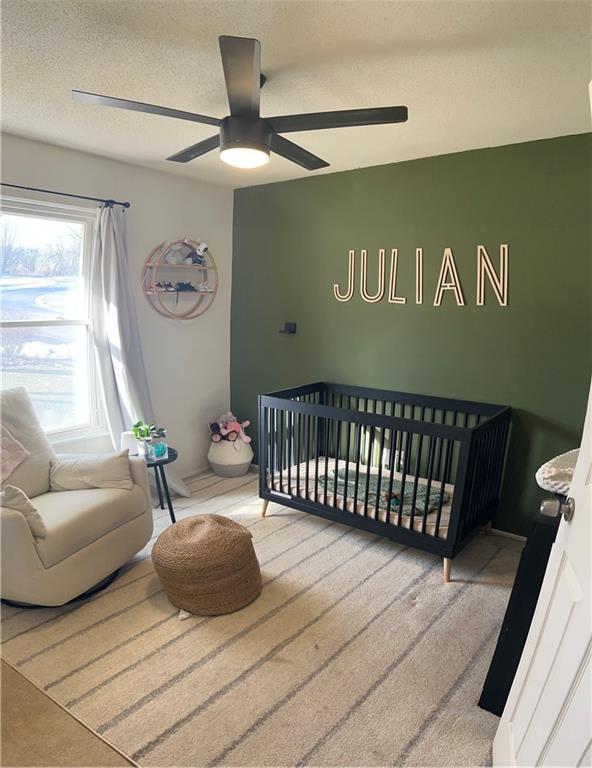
337	501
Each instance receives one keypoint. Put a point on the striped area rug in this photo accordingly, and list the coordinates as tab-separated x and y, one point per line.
355	654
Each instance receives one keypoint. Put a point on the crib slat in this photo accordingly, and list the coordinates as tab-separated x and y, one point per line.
393	443
486	464
327	433
431	454
404	475
357	449
368	466
441	496
393	437
317	443
448	464
307	426
272	451
501	444
336	452
439	460
347	452
263	446
399	447
416	481
298	418
379	478
280	416
289	448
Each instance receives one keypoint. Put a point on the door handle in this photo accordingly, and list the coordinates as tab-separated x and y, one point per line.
556	507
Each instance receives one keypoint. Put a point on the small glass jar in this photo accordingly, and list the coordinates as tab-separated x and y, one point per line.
156	450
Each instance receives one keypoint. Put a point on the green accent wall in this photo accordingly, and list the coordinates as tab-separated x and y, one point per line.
291	242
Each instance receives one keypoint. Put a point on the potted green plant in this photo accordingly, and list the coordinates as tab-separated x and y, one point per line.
151	441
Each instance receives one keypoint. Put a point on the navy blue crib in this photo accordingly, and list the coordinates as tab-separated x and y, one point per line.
424	471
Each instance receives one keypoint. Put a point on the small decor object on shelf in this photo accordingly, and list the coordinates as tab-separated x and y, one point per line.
184	287
191	297
166	286
197	256
150	440
230	454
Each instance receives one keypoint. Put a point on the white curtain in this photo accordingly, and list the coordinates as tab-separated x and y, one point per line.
116	334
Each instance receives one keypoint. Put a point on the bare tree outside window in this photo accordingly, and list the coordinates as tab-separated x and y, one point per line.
44	317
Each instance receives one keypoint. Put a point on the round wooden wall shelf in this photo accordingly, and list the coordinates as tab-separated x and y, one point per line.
180	279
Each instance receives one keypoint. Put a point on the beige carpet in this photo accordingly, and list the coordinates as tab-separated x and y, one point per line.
355	653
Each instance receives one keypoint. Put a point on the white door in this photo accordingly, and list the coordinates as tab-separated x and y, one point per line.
548	716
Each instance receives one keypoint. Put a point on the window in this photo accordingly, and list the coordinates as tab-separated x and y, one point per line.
44	312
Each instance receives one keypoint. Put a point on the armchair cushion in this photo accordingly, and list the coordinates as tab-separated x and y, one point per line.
74	519
109	470
14	498
18	417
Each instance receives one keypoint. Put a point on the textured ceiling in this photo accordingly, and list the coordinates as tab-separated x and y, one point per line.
473	74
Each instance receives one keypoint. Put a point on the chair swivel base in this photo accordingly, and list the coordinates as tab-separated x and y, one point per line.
103	584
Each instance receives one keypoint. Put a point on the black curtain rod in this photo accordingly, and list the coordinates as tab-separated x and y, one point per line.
67	194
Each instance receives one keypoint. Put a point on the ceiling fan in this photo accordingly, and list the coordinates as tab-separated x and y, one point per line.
246	138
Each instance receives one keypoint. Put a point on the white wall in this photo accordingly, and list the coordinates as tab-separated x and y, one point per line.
187	361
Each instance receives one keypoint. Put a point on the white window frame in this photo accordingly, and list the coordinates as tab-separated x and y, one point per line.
97	427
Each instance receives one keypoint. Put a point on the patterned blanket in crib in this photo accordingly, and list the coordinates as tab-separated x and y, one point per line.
421	507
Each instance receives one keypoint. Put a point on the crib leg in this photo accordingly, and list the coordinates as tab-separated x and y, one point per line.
487	527
264	507
447	567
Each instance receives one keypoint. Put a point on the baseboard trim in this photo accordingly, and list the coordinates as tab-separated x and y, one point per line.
508	535
199	472
206	470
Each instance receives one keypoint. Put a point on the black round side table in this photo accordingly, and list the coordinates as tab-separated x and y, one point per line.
161	482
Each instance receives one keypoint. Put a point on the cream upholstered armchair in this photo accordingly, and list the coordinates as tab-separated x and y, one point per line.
89	533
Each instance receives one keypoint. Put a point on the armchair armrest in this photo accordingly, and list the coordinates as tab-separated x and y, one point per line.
19	553
139	473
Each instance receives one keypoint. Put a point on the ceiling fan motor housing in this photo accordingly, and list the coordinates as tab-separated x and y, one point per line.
238	131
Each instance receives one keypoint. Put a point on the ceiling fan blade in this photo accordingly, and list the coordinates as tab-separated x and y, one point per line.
296	154
195	150
346	118
139	106
241	59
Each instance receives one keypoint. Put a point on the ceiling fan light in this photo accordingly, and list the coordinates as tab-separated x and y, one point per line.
244	157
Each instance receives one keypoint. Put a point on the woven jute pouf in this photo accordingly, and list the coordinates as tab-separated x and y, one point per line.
207	565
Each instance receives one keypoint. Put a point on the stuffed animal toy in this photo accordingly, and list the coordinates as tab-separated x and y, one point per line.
235	429
215	430
194	258
244	437
176	254
229	428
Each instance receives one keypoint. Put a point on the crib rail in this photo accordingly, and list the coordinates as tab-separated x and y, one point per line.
430	468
